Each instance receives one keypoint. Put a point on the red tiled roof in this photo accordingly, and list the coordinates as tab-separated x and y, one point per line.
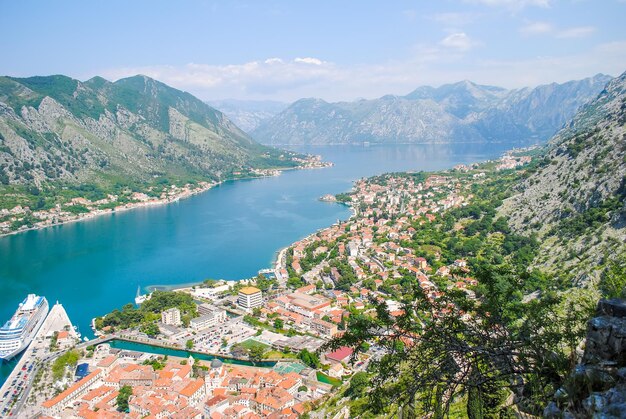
60	397
340	354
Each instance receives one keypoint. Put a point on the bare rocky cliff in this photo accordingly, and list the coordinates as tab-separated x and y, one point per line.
575	199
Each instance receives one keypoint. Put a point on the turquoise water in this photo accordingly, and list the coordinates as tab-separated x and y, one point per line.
142	347
228	232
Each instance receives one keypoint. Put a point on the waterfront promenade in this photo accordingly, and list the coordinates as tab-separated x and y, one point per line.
17	387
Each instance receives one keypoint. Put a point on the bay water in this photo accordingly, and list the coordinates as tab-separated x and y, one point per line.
231	232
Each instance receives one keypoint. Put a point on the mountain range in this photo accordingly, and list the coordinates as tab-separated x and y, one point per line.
248	114
58	129
459	112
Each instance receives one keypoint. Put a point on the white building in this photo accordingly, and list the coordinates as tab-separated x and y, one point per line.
55	405
210	293
171	316
249	298
210	319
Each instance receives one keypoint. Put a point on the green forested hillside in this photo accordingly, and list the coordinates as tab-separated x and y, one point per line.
58	134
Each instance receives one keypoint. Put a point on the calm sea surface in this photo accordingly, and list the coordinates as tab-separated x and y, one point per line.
228	232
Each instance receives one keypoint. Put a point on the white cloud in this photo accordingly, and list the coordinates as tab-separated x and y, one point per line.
458	40
536	28
288	79
309	60
543	28
272	76
577	32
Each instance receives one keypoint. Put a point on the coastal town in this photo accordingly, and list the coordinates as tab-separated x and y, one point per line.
259	347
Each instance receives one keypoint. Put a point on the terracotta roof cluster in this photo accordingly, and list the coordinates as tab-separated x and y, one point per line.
172	392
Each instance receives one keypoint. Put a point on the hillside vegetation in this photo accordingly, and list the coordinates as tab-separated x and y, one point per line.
58	135
575	200
544	243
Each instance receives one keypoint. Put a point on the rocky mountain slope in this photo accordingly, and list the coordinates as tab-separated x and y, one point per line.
597	386
460	112
248	114
59	130
575	199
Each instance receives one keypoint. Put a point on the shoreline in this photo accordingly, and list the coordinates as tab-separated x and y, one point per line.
280	254
126	207
276	265
161	201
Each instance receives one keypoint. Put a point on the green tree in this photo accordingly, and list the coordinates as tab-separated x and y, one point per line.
613	280
122	398
189	344
358	384
256	352
294	282
61	364
279	324
474	403
264	283
309	358
150	329
484	345
209	283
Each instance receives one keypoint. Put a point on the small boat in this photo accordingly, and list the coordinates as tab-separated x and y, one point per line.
141	298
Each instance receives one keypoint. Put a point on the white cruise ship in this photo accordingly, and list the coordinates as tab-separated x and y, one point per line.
18	332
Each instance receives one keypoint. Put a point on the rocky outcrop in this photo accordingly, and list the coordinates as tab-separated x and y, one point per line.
574	199
57	129
597	387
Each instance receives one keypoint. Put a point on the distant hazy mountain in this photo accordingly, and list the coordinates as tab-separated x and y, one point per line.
248	114
460	112
57	129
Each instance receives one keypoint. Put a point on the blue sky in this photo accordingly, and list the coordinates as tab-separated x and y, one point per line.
333	49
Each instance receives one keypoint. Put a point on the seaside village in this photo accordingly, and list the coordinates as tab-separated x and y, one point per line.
279	321
20	218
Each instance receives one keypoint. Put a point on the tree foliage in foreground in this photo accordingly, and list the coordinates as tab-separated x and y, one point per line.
482	349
